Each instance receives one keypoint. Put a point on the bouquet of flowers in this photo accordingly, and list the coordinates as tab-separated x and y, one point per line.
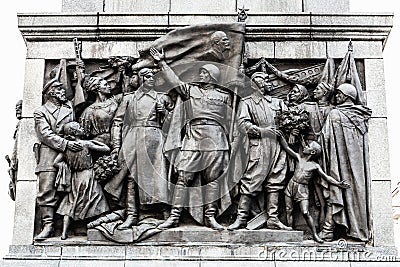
105	168
292	119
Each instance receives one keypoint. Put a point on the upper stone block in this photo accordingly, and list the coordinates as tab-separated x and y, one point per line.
282	6
137	6
326	6
205	6
72	6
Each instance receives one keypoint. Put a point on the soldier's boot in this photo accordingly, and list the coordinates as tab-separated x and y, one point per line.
273	221
209	217
177	207
173	219
212	195
327	230
132	217
47	214
242	213
66	224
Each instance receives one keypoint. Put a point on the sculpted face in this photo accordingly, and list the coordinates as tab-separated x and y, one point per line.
224	43
79	131
104	87
205	76
319	92
260	82
59	94
134	81
148	80
294	94
308	150
340	97
221	41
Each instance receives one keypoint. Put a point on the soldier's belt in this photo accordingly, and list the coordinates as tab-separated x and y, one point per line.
146	124
204	122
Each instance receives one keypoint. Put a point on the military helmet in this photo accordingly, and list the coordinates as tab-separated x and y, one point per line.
348	90
212	70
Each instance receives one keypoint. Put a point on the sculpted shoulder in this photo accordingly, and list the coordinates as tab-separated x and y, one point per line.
334	115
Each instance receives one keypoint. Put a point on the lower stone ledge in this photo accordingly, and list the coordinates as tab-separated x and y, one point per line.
175	263
282	252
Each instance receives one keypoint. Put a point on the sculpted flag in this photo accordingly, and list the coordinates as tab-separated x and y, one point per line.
184	47
347	73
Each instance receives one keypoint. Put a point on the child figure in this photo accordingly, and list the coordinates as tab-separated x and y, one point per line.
86	198
297	188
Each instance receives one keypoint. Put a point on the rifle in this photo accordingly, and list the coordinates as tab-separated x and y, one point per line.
79	97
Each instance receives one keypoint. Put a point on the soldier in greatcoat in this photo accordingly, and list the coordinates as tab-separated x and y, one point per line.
138	139
266	168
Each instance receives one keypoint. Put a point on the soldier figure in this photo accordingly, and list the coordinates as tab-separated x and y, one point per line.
267	163
138	140
205	144
49	121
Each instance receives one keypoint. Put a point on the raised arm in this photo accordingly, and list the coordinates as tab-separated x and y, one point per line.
169	74
330	179
286	147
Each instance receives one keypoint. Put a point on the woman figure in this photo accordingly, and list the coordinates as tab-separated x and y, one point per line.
323	94
97	118
86	198
297	95
299	98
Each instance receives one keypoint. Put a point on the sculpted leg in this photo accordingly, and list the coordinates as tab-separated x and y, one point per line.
242	213
289	210
211	206
47	214
66	223
310	222
47	199
178	202
131	205
273	221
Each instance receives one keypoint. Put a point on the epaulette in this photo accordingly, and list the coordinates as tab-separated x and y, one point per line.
222	91
247	97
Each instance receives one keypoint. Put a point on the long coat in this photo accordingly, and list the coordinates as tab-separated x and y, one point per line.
345	140
49	122
267	162
137	131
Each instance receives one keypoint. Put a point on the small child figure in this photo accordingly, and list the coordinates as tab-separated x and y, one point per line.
86	198
297	188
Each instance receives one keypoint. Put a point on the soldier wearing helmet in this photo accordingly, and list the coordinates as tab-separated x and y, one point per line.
345	93
205	146
345	135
